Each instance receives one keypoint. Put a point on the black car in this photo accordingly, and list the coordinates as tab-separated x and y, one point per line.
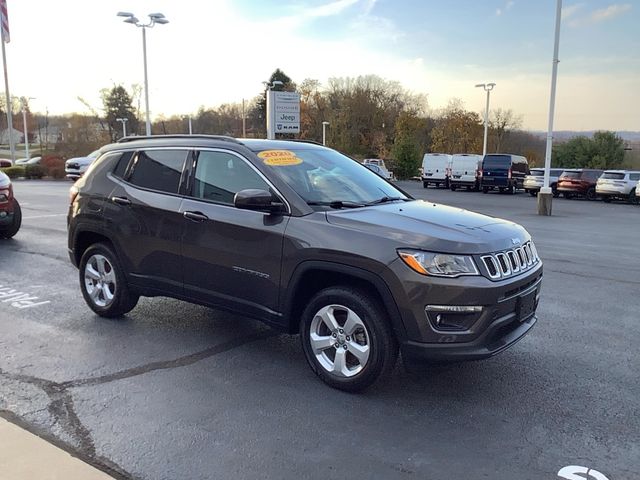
307	240
505	172
10	212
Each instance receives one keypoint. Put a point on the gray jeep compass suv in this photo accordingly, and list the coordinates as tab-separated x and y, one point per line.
307	240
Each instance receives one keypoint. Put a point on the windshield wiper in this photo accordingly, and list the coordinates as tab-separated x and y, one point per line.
386	199
337	204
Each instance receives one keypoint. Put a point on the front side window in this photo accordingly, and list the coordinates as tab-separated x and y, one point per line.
220	175
158	170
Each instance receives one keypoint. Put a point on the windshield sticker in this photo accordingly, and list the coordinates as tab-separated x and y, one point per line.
279	158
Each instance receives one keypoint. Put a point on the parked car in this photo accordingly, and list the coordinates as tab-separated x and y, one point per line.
436	169
505	172
383	172
535	180
77	166
301	237
619	184
579	182
10	212
465	171
28	161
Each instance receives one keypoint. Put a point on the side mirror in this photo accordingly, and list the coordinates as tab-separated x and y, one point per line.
259	200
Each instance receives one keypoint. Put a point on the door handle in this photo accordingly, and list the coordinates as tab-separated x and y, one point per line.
121	200
195	216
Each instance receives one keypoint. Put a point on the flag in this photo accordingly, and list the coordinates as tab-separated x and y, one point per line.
4	21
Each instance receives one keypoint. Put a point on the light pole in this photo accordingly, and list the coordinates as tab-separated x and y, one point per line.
24	101
124	125
133	20
487	88
190	127
545	194
324	132
271	120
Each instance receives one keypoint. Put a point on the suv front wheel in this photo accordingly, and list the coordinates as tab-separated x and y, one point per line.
347	338
103	283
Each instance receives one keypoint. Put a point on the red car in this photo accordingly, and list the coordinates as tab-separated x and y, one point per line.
10	213
579	182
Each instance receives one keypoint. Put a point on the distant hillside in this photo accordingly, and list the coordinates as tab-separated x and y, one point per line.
569	134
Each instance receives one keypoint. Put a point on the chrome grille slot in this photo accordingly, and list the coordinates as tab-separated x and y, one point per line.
503	261
523	260
515	264
491	265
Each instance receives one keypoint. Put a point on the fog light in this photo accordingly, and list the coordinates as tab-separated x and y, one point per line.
3	214
453	317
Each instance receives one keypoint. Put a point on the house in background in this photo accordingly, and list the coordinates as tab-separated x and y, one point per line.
18	136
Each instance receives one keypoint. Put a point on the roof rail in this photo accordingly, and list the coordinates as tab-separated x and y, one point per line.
301	140
133	138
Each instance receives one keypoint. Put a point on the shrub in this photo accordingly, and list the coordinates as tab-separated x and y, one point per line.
33	171
14	172
53	166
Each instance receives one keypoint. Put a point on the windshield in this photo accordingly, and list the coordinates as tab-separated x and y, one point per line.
326	176
570	174
496	161
613	176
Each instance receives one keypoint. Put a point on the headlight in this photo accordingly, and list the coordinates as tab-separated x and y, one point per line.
439	264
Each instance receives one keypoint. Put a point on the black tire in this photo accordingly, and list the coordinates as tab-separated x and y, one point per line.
437	185
568	196
511	190
485	189
453	188
501	189
554	191
468	188
123	299
11	230
533	193
447	183
425	184
633	199
591	194
605	199
377	332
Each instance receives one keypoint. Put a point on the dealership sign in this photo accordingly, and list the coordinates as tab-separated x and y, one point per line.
283	113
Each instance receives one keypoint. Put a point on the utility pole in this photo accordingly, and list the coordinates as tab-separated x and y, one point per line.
4	26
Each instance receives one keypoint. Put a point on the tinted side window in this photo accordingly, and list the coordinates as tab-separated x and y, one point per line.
634	176
220	175
122	165
158	169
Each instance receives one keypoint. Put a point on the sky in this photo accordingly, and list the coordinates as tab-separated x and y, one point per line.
220	51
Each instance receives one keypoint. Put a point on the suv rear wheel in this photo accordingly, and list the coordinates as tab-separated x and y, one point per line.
347	339
103	284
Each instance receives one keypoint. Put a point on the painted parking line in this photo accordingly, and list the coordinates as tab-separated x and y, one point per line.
44	216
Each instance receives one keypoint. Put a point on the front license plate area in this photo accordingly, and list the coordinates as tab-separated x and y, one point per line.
526	306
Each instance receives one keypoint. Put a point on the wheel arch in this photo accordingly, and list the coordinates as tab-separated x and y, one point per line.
312	276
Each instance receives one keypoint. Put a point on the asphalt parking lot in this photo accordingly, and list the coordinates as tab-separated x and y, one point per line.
180	391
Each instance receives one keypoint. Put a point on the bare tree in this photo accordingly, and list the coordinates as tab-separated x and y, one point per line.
501	124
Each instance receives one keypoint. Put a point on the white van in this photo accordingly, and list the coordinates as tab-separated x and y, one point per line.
435	169
465	171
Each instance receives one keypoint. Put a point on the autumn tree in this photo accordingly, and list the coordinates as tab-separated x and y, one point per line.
501	123
117	103
457	130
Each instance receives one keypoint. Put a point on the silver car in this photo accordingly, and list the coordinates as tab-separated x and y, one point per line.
75	167
620	184
535	180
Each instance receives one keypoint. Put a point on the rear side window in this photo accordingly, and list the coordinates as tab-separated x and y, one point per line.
158	170
613	176
496	161
570	174
634	176
220	175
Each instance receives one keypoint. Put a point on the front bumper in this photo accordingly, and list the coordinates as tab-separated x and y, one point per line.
502	322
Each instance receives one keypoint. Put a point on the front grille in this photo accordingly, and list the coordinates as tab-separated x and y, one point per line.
512	262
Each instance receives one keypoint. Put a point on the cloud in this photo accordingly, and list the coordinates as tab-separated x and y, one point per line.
510	4
601	15
571	10
369	4
498	12
507	6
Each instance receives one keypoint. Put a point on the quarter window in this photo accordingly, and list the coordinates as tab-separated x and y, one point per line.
220	175
158	169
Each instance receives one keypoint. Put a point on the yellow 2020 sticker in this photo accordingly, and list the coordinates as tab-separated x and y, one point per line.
279	158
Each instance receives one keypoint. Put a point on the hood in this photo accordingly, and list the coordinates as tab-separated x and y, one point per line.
434	227
80	160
